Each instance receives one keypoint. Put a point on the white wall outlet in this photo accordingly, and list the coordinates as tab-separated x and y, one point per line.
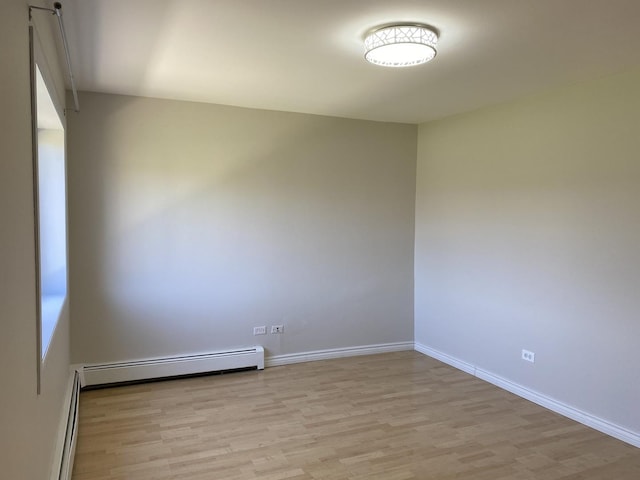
528	356
277	328
260	330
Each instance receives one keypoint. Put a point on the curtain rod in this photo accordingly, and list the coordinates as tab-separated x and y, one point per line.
57	11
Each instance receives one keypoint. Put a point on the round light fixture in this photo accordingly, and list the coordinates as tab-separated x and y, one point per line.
400	45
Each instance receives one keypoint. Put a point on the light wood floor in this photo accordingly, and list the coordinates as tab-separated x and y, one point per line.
393	416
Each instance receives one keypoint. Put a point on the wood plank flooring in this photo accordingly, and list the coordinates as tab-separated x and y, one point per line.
395	416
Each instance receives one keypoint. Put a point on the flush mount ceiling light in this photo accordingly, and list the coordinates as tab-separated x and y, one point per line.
400	45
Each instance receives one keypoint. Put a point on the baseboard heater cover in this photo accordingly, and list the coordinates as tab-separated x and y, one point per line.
148	369
63	465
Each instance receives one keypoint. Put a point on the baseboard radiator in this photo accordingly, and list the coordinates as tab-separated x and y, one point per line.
64	468
149	369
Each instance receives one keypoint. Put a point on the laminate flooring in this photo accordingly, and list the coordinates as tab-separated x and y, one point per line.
393	416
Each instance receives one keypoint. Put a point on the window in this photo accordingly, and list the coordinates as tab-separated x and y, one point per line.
50	210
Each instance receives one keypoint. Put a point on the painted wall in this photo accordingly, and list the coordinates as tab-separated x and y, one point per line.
528	236
190	224
28	422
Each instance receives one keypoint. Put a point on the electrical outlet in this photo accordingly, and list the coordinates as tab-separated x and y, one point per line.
277	328
260	330
528	356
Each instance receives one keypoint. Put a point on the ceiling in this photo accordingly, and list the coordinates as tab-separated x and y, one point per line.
307	55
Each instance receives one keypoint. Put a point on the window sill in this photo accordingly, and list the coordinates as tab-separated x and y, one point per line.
51	309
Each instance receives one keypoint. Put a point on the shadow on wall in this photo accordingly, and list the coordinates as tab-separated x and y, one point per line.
193	223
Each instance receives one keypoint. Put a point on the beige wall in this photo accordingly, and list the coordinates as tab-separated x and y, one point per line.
528	236
190	224
193	223
28	422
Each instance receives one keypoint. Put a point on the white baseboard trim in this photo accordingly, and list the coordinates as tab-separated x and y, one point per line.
616	431
444	358
287	359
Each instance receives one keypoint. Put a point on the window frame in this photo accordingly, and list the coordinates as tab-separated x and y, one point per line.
38	63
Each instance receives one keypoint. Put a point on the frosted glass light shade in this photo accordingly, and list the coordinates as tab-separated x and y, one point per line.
401	45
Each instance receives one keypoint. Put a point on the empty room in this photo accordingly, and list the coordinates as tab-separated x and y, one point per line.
320	239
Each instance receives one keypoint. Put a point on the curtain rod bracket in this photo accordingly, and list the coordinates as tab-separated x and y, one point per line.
42	9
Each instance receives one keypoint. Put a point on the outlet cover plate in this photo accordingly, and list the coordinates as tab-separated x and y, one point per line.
528	356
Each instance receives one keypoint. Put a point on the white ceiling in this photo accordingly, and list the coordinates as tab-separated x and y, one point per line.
307	55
